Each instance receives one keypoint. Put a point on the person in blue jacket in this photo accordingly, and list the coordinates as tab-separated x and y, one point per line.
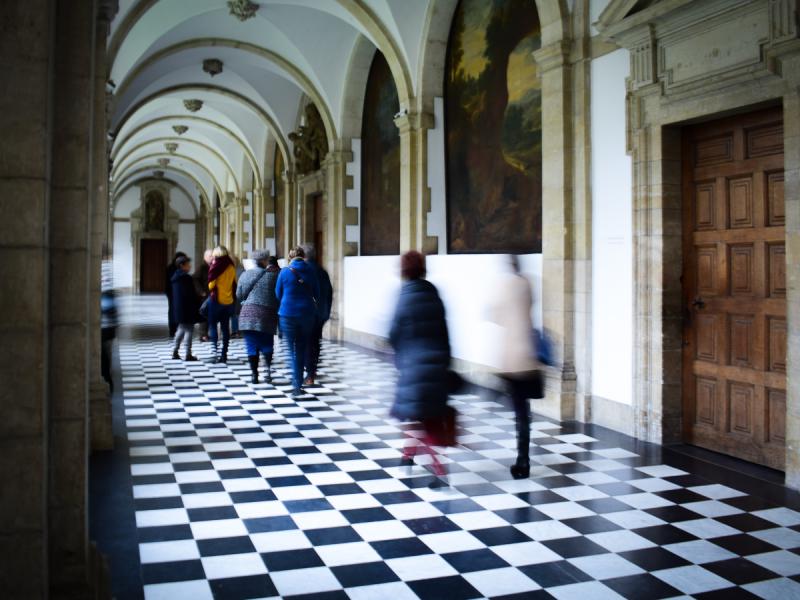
184	307
324	303
297	290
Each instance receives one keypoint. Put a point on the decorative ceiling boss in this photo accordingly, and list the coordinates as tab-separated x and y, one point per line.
242	9
212	66
180	129
158	174
163	162
193	104
171	147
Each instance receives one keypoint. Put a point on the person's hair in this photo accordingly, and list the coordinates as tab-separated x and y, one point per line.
297	252
183	260
272	261
412	265
219	251
177	256
208	255
311	251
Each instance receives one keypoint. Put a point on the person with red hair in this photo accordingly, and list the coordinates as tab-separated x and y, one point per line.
422	355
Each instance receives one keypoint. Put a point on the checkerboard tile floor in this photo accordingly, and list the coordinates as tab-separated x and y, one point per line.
242	492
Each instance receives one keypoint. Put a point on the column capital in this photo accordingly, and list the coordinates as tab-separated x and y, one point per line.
337	157
552	56
413	121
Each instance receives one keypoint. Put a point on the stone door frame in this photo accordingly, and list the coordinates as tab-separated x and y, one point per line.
662	99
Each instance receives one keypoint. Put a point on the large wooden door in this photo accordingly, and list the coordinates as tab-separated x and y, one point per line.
734	282
153	266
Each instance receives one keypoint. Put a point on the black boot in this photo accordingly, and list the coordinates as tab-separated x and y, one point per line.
253	360
190	357
175	355
268	360
224	357
522	468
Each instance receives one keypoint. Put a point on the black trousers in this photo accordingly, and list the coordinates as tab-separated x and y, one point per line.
313	349
528	385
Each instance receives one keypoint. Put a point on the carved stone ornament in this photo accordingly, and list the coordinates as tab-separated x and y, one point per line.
163	162
193	104
212	66
310	142
242	9
171	147
158	174
180	129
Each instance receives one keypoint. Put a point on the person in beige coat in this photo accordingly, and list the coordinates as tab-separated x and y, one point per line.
516	363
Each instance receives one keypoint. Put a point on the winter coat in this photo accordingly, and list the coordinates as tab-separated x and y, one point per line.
256	293
512	312
295	297
422	352
325	300
222	280
184	298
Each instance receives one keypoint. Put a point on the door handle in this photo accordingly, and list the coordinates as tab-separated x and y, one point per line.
698	303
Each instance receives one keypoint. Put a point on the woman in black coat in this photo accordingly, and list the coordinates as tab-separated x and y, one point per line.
422	354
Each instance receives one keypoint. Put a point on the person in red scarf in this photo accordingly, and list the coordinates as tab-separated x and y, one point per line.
222	294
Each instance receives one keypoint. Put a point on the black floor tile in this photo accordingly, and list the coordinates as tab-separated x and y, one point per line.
223	546
643	585
291	559
574	547
474	560
496	536
452	588
184	570
364	574
332	535
399	548
553	574
243	588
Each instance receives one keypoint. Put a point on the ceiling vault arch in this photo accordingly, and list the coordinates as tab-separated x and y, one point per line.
179	140
120	143
158	155
125	182
139	180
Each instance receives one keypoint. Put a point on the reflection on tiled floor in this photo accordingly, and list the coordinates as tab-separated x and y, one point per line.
243	492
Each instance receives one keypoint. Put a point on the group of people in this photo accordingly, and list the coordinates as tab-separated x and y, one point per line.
259	302
421	343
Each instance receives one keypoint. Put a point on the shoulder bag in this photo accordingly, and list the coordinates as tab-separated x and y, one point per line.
305	286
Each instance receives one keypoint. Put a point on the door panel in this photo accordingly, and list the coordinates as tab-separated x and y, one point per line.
734	360
153	265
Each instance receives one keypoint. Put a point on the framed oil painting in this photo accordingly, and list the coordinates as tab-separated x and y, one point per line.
493	109
380	163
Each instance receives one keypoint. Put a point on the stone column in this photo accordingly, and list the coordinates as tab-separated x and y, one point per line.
26	53
70	314
557	227
101	432
791	161
335	166
415	196
290	213
260	201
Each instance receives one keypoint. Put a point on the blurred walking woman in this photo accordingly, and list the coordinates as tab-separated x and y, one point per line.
518	365
297	290
422	354
222	291
258	318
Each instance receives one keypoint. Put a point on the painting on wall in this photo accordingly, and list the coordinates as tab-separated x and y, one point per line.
279	198
493	128
380	163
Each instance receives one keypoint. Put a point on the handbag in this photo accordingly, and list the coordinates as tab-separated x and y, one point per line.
441	430
544	347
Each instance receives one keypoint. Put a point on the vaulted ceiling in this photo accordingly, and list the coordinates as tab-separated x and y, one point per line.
288	52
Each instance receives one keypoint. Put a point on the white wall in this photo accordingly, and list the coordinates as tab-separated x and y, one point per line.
123	256
186	235
464	281
612	250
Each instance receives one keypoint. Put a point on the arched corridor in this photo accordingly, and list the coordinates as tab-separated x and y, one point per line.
587	209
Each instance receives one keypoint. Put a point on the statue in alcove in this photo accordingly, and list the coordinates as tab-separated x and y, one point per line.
154	212
310	142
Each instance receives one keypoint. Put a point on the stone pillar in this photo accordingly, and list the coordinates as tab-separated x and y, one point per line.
582	209
26	54
101	432
335	166
70	313
791	160
260	202
290	213
415	196
557	227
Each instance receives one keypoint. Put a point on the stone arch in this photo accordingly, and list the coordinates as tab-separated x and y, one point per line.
355	86
200	165
124	183
137	181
